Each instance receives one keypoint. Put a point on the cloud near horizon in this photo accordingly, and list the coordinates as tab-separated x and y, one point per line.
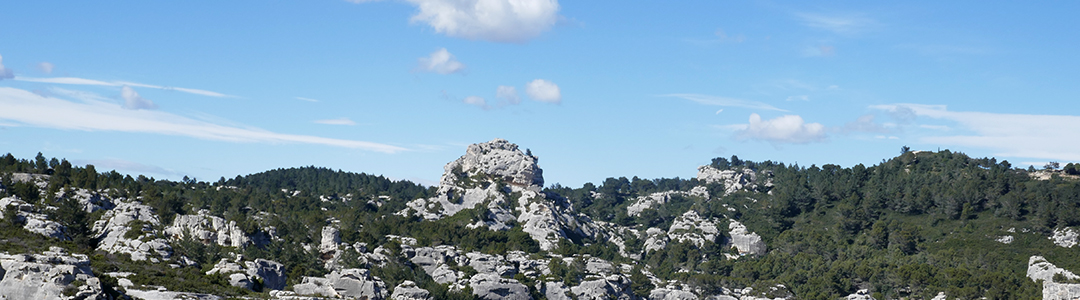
25	108
1050	137
503	21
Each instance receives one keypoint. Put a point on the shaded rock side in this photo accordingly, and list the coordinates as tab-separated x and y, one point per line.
492	287
408	290
347	283
1041	270
745	241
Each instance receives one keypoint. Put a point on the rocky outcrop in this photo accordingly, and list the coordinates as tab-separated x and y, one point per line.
408	290
89	200
692	228
654	200
733	180
611	287
666	293
347	283
498	158
208	229
863	294
53	274
33	220
169	295
745	241
492	287
554	290
112	230
1065	237
244	274
1041	270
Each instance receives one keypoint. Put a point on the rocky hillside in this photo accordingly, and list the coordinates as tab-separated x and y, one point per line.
919	226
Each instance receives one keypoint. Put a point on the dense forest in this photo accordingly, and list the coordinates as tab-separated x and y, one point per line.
911	226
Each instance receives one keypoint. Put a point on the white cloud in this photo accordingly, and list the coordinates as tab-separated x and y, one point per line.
338	121
306	99
724	101
442	62
849	24
865	123
1051	137
5	73
28	109
543	91
46	67
124	165
798	98
132	100
83	81
474	100
507	93
513	21
788	129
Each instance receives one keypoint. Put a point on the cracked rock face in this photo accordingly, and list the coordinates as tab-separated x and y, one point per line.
498	158
347	283
208	229
492	287
114	225
45	276
747	242
408	290
689	227
733	180
36	221
1040	269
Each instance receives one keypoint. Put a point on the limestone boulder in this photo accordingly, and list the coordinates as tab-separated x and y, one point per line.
408	290
491	287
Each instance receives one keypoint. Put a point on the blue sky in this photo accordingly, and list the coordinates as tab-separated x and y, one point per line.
596	90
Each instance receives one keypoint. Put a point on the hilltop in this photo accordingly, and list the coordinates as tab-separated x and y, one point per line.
922	225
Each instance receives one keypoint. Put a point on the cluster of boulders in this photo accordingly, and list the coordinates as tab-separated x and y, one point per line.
54	274
734	179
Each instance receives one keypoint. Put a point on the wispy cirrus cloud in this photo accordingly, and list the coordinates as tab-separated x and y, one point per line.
1051	137
724	101
338	121
84	81
846	24
93	113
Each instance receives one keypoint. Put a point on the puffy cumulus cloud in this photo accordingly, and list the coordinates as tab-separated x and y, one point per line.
46	67
506	21
5	73
132	100
442	62
507	93
543	91
788	129
338	121
1049	137
92	113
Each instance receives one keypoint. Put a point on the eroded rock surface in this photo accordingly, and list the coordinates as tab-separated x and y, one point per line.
1041	270
208	229
113	229
53	274
745	241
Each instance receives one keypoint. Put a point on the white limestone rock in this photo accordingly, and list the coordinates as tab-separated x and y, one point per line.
492	287
690	227
656	239
1008	239
487	263
745	241
47	275
169	295
863	294
554	290
498	158
1065	237
113	226
270	272
611	287
733	180
347	283
654	200
208	229
408	290
35	221
434	261
1040	269
667	293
